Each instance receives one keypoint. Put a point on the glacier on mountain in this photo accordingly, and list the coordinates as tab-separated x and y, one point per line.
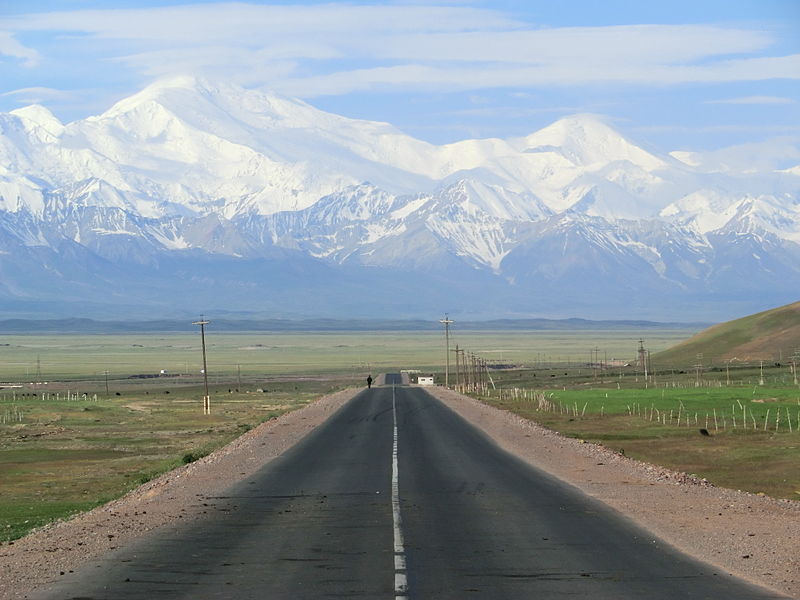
192	182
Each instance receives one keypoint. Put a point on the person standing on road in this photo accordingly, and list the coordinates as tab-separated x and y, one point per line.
369	381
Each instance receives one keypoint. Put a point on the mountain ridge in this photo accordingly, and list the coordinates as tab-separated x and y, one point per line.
92	326
191	168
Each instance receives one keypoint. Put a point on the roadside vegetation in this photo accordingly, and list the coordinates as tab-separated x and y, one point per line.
71	447
725	425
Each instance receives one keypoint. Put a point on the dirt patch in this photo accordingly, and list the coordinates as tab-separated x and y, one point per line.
44	555
140	406
749	535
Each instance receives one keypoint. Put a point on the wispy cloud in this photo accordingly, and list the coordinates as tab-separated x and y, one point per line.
754	100
759	129
38	95
331	49
513	111
10	47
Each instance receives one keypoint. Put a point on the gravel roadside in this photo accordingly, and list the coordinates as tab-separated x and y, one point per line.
752	536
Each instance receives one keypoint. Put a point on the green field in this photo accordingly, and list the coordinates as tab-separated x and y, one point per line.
59	456
754	430
27	358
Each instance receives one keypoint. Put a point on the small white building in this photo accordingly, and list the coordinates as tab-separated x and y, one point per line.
422	380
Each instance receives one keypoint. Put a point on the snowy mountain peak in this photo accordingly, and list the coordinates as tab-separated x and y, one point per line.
586	140
552	218
38	115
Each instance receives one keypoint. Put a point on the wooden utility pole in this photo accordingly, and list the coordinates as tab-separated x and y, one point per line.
206	398
699	369
465	367
457	370
446	322
643	358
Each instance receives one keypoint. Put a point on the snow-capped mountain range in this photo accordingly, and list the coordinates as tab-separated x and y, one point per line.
196	195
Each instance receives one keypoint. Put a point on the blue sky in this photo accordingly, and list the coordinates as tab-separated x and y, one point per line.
696	75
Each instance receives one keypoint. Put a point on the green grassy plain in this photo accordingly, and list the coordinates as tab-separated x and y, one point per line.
72	357
754	441
59	456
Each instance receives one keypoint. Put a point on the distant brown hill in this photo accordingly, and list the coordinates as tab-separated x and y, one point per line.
772	335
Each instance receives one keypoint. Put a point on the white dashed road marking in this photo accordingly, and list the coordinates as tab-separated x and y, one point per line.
400	580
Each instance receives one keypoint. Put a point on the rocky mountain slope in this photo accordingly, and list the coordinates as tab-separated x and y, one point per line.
196	195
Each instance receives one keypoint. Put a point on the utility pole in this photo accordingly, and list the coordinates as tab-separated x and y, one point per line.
457	371
469	367
465	376
761	376
239	375
795	358
446	322
106	374
468	371
206	399
473	372
643	358
699	369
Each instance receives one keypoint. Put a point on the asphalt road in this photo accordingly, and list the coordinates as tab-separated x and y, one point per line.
396	496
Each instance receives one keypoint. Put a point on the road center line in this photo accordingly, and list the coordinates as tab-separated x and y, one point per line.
400	579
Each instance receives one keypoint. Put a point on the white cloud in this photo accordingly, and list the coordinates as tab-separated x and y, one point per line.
38	95
331	49
513	111
476	76
9	46
248	24
754	100
769	155
631	44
